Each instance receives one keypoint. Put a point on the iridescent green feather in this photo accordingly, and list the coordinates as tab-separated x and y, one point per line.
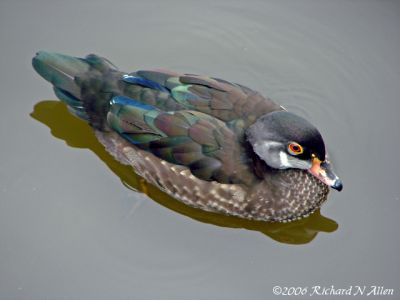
190	120
182	137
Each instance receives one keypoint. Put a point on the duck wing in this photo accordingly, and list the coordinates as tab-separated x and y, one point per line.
232	103
190	138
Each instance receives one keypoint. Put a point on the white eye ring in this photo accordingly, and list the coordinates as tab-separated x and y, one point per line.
295	149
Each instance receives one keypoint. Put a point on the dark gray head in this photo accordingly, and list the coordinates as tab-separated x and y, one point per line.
284	140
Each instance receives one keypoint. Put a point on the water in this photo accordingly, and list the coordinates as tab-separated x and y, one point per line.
71	226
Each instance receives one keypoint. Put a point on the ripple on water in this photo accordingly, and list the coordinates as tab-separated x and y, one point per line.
296	64
250	49
294	60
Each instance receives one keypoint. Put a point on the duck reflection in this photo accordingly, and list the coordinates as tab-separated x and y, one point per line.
78	134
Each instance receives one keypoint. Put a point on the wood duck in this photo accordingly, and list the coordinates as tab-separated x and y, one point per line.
212	144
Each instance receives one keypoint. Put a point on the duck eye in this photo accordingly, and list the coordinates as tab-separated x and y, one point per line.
295	149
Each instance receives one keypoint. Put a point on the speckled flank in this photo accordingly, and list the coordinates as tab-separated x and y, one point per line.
299	193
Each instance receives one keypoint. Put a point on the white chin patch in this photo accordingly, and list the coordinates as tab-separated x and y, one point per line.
284	160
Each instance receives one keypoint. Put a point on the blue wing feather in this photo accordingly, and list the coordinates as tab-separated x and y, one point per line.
122	100
144	82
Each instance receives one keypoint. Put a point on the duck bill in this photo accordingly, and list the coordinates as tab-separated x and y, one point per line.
323	171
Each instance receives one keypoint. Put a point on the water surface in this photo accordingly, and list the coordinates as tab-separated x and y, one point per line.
71	224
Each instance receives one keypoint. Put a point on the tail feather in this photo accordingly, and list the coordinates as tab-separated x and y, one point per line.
75	105
78	82
60	70
67	97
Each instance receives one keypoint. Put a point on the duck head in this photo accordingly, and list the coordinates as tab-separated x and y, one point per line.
284	140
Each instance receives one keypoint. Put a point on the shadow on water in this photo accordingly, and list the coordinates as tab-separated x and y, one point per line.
76	133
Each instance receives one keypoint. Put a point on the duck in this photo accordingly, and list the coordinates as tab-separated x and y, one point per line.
211	144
